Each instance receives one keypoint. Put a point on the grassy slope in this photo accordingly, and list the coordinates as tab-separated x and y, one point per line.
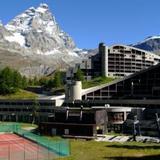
91	150
97	81
21	94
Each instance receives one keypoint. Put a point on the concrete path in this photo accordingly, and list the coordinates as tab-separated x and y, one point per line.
113	138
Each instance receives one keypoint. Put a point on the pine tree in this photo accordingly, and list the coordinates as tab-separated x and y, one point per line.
79	76
6	81
57	79
43	81
17	79
11	80
24	82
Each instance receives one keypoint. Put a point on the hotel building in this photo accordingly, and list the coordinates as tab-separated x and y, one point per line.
116	61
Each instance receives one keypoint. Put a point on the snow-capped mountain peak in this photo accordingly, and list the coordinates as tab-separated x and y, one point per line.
36	36
37	29
44	5
30	18
42	8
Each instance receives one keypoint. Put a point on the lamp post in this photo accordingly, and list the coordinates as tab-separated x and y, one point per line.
132	87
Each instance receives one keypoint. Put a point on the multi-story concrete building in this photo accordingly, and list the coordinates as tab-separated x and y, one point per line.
134	95
117	61
125	60
86	112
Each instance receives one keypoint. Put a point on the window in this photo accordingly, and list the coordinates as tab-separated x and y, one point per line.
66	131
115	116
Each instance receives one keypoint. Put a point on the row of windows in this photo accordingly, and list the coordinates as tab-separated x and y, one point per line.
24	110
26	103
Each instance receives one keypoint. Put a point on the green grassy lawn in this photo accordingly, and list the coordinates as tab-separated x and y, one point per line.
22	124
21	94
26	125
86	84
92	150
97	81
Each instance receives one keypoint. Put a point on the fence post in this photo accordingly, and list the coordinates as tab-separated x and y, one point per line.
9	152
69	142
24	150
48	150
37	150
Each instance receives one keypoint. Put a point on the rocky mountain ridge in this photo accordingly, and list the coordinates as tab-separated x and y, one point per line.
38	41
34	44
151	44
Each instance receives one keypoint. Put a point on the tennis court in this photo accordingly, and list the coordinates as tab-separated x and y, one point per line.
15	147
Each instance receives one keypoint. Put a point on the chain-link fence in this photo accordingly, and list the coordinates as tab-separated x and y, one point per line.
21	149
32	145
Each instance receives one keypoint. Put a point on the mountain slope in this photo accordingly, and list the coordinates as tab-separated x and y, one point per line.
35	38
150	44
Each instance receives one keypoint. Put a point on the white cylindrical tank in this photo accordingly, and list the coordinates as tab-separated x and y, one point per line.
76	91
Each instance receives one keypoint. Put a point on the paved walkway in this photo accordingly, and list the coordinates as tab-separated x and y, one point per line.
113	138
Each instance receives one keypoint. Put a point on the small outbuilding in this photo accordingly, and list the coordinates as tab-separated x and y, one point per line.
78	121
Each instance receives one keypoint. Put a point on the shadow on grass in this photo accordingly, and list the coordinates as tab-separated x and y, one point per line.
153	157
134	146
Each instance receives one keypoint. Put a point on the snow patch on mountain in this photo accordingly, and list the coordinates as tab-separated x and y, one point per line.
153	37
16	37
52	52
147	39
41	10
39	28
151	44
40	43
72	53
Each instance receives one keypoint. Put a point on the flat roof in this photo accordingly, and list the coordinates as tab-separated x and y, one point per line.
72	124
128	102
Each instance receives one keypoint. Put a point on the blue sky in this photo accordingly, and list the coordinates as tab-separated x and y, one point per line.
89	22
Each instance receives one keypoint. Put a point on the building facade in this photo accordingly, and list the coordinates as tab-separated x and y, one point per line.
75	122
23	110
116	61
111	106
140	92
